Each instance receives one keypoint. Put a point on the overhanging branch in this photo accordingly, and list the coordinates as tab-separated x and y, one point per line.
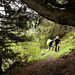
59	16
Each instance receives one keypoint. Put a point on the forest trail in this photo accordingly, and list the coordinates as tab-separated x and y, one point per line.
62	66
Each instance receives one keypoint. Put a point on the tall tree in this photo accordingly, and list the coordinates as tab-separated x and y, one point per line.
59	11
13	20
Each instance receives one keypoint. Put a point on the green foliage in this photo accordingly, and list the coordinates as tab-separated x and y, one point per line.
13	26
67	43
46	30
30	44
37	46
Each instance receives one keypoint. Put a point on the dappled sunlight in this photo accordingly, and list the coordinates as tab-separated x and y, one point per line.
31	44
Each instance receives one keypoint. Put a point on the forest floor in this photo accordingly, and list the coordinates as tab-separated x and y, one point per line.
64	65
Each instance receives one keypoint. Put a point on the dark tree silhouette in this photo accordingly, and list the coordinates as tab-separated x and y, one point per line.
12	23
59	11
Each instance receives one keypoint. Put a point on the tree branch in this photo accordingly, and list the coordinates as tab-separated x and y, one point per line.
59	16
68	5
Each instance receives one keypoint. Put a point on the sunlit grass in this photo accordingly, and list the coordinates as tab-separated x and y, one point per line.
66	45
33	51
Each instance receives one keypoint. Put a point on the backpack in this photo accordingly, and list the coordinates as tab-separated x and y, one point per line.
48	42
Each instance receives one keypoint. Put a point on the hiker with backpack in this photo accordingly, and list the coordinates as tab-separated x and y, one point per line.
50	43
57	42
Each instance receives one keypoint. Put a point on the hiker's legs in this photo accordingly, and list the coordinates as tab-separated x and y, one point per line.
52	47
55	47
58	47
49	48
50	44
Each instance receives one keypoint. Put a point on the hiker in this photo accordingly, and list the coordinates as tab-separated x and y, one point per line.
50	44
57	42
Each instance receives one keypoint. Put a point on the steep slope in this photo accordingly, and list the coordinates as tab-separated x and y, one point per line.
52	63
61	66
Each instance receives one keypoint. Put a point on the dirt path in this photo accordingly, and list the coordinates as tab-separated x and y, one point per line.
61	66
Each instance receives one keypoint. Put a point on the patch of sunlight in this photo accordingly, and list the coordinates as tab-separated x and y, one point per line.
65	47
34	52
